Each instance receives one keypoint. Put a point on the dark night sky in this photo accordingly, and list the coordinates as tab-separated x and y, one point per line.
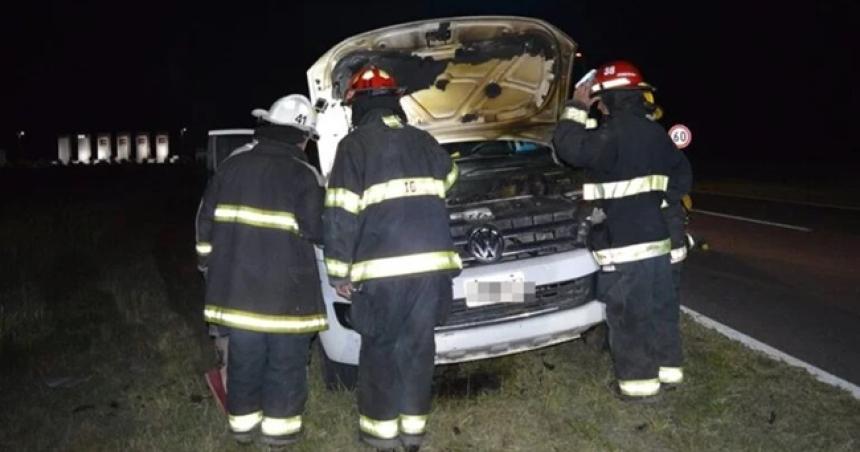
768	84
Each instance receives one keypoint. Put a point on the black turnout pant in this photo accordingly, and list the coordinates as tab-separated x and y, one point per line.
396	318
642	311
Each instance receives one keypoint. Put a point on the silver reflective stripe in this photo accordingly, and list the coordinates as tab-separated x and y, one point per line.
246	422
227	213
590	124
664	204
203	248
451	178
336	268
620	189
392	121
401	188
413	425
575	114
379	429
343	198
671	375
264	323
632	253
392	189
639	388
281	426
679	254
405	265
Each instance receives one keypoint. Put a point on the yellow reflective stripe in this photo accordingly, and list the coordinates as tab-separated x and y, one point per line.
620	189
452	176
256	217
343	198
379	429
671	375
678	254
575	114
400	188
632	253
264	323
336	268
203	248
281	426
392	121
245	422
405	265
639	388
413	425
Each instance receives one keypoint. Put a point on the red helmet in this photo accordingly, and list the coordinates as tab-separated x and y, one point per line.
619	75
370	79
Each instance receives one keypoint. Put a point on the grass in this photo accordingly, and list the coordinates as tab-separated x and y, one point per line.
102	291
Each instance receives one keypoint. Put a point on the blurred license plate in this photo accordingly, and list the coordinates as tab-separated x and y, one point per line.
502	288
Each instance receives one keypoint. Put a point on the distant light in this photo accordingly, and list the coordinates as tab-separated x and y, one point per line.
21	133
579	54
183	130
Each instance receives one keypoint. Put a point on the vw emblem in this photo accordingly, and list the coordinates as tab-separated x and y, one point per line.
486	243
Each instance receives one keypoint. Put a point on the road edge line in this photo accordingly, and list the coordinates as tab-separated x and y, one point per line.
778	200
778	355
752	220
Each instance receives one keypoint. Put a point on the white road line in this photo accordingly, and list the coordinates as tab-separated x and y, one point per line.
754	344
752	220
780	201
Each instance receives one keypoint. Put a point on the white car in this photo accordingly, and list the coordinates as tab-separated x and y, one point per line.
490	89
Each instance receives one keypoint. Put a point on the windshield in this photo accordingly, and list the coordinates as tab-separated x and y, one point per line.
504	169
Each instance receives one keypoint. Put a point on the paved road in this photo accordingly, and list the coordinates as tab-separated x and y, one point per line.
796	289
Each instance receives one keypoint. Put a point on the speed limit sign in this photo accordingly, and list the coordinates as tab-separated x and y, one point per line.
680	135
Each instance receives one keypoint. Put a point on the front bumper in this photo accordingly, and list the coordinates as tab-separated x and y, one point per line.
531	330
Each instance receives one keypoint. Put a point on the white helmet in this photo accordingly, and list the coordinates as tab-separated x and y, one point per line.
294	110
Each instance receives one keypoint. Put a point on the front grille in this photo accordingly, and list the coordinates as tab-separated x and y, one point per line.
526	235
548	298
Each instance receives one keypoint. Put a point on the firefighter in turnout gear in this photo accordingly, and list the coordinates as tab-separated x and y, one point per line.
629	161
388	248
255	227
675	208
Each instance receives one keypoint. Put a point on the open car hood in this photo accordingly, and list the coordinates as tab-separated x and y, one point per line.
466	79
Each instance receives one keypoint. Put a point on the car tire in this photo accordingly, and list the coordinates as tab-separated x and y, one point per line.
597	338
336	376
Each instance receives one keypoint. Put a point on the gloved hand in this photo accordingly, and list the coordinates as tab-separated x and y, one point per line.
597	216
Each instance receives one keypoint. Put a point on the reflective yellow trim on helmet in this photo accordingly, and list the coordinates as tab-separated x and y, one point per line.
246	422
264	323
671	375
405	265
343	198
631	253
336	268
272	426
203	248
575	114
401	188
639	388
228	213
620	189
379	429
413	425
452	176
393	121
